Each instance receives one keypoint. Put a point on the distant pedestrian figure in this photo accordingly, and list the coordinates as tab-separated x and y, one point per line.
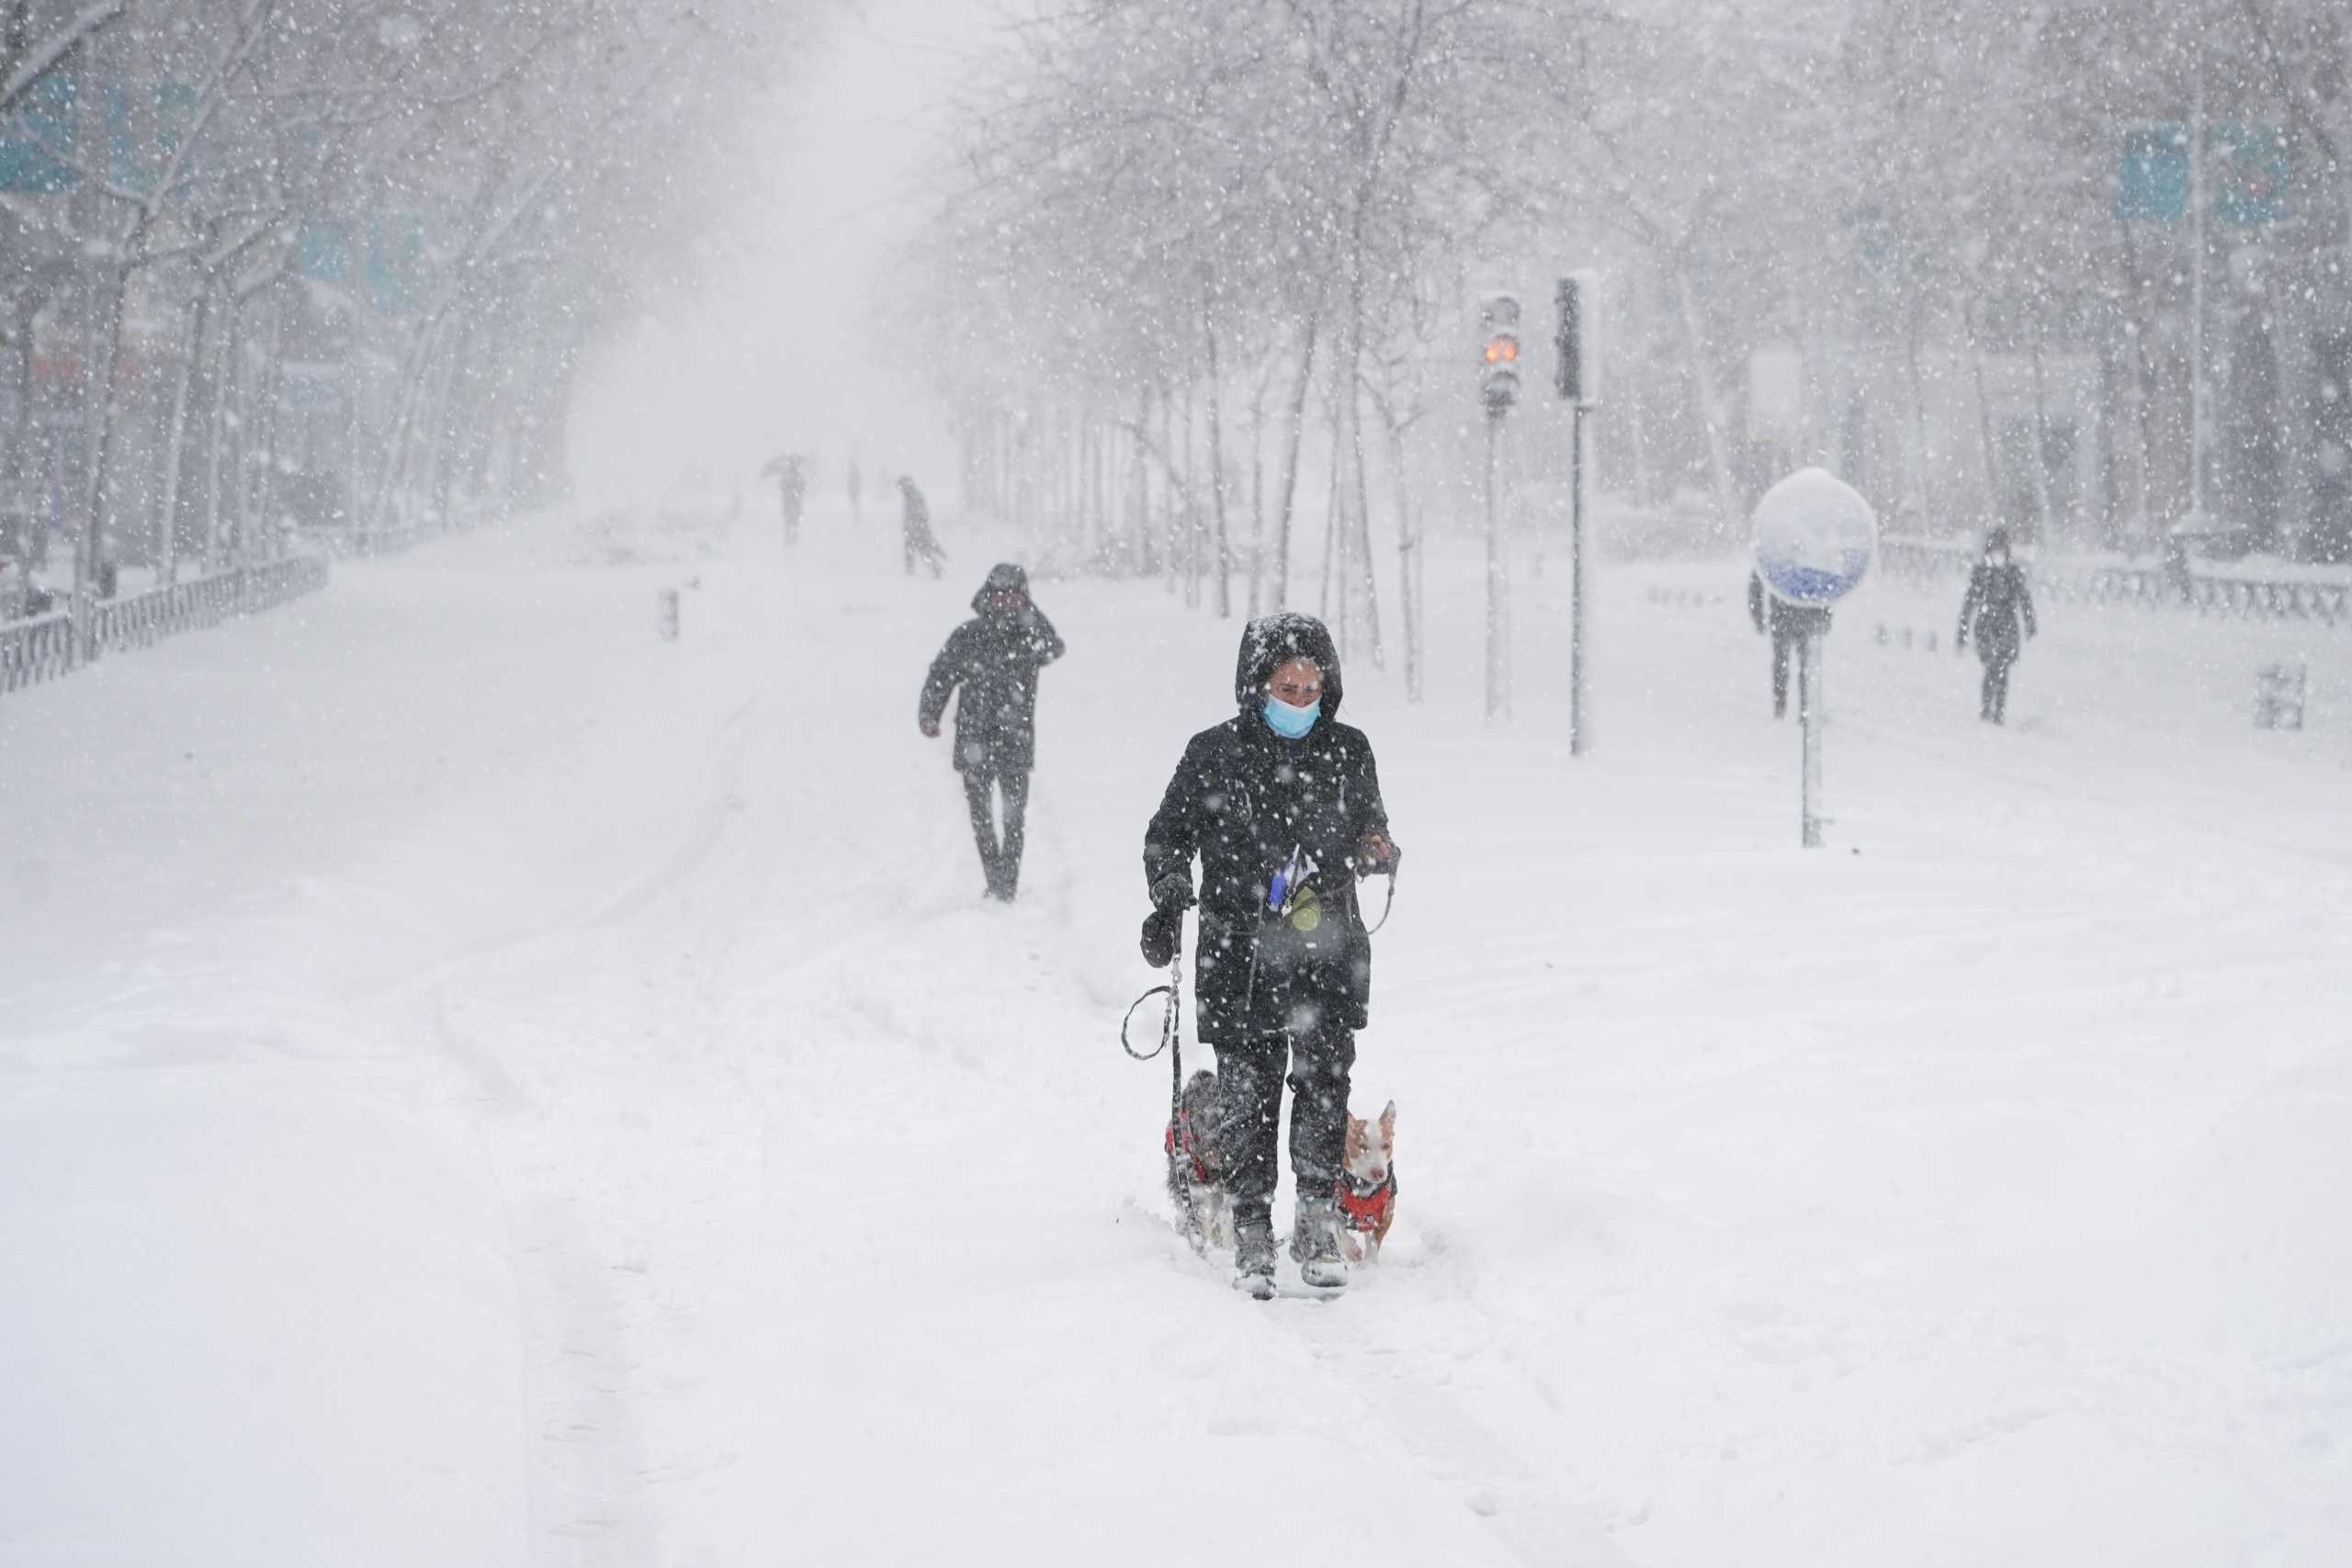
992	661
1790	625
914	529
1996	608
790	472
856	492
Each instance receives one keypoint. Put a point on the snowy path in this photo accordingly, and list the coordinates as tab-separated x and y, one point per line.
485	1086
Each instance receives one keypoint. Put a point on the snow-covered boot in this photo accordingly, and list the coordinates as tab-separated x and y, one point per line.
1315	1241
1253	1258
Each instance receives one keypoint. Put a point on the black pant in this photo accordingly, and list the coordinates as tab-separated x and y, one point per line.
1000	858
1320	1054
1998	662
1784	651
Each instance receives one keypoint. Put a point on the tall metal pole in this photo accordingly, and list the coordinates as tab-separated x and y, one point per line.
2197	308
1579	718
1809	717
1498	598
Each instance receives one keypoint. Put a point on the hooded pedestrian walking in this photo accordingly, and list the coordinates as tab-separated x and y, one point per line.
1999	612
1281	804
989	664
914	529
1790	625
790	472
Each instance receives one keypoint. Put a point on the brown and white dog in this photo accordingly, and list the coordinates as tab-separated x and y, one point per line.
1367	1186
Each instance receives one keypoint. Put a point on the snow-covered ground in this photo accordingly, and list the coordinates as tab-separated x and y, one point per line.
482	1085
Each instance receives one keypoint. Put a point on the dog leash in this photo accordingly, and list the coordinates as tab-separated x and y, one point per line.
1174	991
1387	906
1180	1137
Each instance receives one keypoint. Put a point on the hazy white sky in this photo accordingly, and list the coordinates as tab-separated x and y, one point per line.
785	348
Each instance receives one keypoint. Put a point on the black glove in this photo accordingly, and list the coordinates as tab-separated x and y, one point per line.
1173	891
1163	933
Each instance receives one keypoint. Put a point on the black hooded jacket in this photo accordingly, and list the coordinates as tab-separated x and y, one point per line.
1995	608
1784	620
1241	799
993	660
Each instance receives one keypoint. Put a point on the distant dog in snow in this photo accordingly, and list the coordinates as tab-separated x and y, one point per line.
1195	1165
1367	1186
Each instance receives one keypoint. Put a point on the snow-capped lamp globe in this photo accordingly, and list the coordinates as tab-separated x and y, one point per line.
1813	537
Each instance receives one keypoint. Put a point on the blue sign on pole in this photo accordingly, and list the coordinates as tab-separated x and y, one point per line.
322	252
2245	172
35	134
2152	180
2249	173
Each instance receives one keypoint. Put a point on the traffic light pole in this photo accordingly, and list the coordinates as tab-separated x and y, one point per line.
1579	383
1498	590
1579	716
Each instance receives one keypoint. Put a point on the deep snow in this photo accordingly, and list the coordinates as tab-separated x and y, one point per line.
482	1085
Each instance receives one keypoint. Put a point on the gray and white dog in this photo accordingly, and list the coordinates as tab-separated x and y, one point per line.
1196	1164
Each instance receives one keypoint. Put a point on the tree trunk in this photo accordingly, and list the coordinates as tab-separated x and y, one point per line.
1629	398
1409	552
1330	537
192	348
442	462
411	388
265	492
104	328
1711	407
1216	475
1139	518
1363	520
1983	414
2041	464
1926	492
19	434
1285	501
220	402
1258	493
1182	520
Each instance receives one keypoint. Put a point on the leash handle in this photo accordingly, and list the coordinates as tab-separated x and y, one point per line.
1169	1022
1127	1044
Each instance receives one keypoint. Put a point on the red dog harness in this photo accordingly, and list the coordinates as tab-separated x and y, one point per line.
1180	1137
1365	1211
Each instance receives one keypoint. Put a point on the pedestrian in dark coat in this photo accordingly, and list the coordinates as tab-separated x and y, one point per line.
790	472
1999	612
1790	625
992	661
914	529
1281	803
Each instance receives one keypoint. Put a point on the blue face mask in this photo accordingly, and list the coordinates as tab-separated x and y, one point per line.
1290	723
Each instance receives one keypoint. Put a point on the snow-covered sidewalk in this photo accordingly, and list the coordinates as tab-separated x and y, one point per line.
484	1084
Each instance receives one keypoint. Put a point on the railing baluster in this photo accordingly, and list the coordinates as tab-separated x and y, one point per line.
41	649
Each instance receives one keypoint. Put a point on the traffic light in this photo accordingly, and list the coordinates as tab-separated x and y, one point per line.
1499	351
1578	340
